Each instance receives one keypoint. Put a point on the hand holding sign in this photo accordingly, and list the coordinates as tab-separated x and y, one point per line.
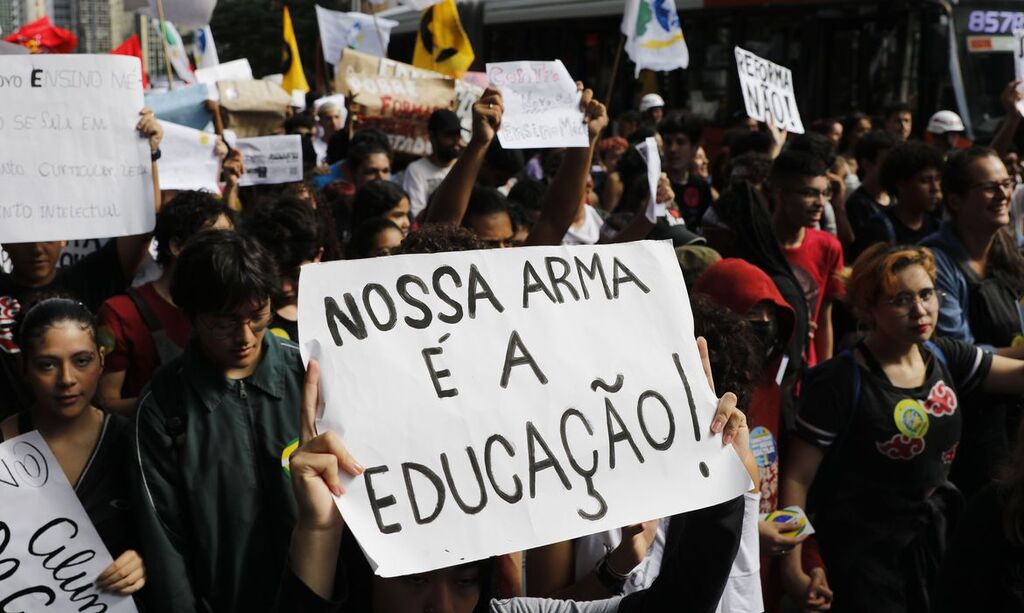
487	113
542	105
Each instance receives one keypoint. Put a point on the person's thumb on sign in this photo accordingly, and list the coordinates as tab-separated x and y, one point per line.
594	113
729	419
317	464
487	114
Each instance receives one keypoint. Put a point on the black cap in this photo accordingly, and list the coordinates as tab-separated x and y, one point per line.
444	121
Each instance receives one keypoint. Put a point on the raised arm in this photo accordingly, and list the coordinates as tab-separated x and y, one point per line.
565	194
448	206
1008	129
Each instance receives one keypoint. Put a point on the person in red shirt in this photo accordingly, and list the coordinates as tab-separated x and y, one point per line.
142	329
799	191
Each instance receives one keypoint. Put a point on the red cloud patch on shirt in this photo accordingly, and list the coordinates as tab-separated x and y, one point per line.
941	401
901	447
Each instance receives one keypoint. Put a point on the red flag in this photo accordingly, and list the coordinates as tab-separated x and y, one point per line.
41	36
132	47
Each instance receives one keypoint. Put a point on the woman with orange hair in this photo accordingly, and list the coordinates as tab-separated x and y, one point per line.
877	429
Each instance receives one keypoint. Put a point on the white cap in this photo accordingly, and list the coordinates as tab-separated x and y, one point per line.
945	121
651	101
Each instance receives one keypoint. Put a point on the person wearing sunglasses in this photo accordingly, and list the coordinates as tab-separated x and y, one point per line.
215	508
982	271
877	430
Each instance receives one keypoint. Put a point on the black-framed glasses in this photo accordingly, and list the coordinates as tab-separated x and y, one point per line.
223	328
904	302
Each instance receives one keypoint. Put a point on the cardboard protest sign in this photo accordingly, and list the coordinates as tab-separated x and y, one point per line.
542	106
51	553
72	164
493	410
185	106
768	90
235	70
189	159
1018	65
253	108
271	159
398	98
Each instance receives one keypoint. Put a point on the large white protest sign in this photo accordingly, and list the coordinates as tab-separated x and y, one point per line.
271	159
189	159
542	106
358	31
72	164
1018	65
494	409
50	553
768	90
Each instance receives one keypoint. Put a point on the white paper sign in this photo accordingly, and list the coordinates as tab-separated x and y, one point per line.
649	151
271	159
50	552
768	89
189	159
1018	65
235	70
72	164
542	106
493	410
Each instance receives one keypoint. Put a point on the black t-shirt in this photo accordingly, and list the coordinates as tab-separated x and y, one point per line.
860	208
285	328
896	441
104	487
886	227
693	199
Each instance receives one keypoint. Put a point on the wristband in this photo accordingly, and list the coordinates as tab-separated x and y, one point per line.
608	578
155	155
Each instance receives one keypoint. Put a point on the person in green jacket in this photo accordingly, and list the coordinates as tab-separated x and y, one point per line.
213	430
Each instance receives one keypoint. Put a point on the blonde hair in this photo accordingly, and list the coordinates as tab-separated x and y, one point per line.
874	273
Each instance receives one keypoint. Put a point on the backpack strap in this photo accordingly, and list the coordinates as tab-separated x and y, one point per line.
890	229
148	316
166	349
937	352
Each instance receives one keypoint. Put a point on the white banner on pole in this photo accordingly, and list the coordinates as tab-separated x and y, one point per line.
493	410
72	164
542	106
52	553
357	31
768	90
271	159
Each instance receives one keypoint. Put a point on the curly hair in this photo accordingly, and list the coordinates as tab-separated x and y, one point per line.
438	238
736	361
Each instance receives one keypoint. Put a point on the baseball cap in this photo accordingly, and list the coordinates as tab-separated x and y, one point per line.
444	121
651	101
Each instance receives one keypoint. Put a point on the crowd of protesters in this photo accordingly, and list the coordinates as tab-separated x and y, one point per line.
857	290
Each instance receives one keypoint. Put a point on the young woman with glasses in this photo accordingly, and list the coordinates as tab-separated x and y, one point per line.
877	430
